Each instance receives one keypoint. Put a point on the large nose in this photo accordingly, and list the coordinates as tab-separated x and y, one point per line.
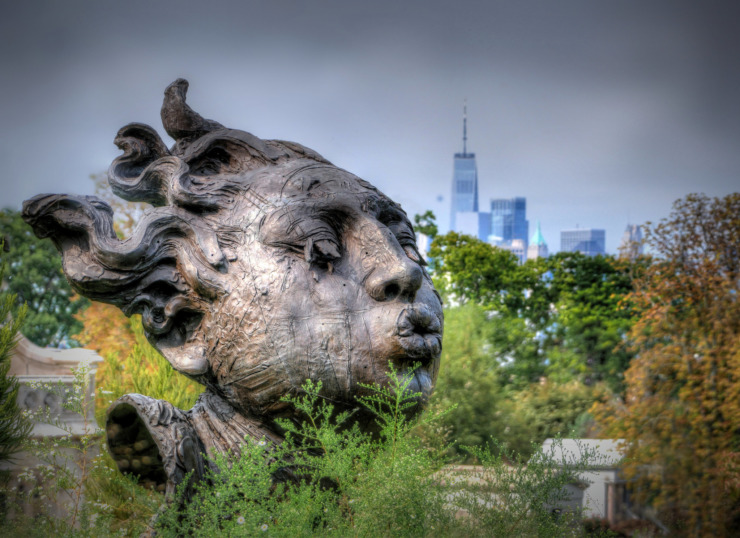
394	276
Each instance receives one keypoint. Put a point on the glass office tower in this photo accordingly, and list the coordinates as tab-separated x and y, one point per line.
584	240
509	220
464	179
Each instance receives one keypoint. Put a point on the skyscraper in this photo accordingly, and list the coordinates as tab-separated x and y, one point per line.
509	220
537	246
464	179
585	240
631	244
473	223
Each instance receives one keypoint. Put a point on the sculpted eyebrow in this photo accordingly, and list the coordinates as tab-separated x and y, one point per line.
389	212
292	227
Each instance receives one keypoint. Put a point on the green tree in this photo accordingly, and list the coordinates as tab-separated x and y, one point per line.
591	317
35	276
547	409
14	427
469	270
470	380
426	224
680	415
491	392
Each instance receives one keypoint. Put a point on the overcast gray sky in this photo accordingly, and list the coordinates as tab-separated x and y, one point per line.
600	113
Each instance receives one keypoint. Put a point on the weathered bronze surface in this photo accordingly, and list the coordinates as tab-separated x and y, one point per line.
260	265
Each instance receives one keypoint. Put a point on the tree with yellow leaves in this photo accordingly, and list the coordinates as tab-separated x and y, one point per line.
680	415
130	363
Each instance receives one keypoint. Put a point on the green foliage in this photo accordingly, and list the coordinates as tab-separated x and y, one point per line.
548	410
35	276
680	413
14	427
426	224
470	380
469	270
563	317
489	400
351	484
144	371
593	315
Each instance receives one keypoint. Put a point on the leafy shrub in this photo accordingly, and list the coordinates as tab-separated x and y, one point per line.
348	483
343	482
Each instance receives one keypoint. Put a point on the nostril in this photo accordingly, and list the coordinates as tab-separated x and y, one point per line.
391	291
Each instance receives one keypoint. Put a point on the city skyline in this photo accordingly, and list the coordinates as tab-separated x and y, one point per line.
600	114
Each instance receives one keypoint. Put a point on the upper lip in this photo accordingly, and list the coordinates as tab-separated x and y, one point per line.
418	328
418	320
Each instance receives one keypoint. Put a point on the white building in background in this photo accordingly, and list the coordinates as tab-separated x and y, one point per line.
537	246
631	244
473	223
36	369
600	491
516	246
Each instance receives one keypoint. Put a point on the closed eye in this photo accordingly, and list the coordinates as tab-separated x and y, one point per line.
303	232
407	240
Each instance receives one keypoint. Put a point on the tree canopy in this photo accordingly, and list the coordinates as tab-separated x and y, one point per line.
35	276
528	348
680	415
14	427
563	317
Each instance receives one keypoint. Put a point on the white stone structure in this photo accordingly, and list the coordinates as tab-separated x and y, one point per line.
33	365
36	367
600	491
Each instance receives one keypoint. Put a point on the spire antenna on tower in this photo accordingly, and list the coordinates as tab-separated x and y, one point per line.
465	127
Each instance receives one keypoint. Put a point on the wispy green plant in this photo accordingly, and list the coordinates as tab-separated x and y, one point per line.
348	483
334	480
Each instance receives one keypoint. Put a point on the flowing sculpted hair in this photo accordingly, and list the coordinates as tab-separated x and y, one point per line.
171	268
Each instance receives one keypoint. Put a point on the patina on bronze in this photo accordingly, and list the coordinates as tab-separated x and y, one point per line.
259	266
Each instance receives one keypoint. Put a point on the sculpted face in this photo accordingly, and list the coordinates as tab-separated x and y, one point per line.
259	265
327	285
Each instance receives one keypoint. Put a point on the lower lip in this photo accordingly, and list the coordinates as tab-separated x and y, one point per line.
421	382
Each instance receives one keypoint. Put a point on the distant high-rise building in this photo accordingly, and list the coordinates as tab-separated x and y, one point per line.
584	240
509	220
473	223
631	244
518	248
537	246
464	179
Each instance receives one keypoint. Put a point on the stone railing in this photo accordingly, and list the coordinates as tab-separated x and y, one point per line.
36	369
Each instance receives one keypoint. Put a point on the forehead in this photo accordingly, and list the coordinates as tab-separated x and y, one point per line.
321	185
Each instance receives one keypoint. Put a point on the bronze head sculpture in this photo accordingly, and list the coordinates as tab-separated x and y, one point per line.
261	265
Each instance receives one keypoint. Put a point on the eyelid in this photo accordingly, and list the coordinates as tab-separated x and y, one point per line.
407	239
310	235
